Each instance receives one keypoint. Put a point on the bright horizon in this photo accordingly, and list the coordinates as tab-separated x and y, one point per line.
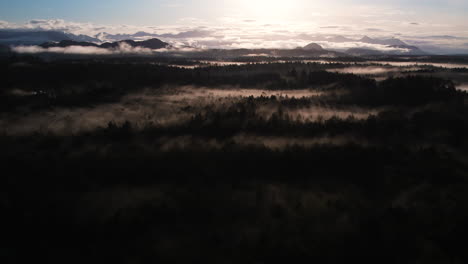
243	23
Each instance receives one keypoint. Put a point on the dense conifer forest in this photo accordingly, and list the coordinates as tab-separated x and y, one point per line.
144	160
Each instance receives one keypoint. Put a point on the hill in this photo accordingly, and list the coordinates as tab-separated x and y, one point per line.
313	46
36	37
149	44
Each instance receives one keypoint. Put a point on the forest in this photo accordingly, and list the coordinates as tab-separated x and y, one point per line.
180	160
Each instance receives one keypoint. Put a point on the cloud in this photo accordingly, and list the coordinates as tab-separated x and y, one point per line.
438	44
443	37
123	48
59	25
348	45
5	24
67	50
188	34
374	29
245	32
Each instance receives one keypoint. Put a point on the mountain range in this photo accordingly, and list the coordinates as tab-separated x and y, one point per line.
367	46
388	42
395	50
397	46
149	44
141	35
36	37
386	46
313	46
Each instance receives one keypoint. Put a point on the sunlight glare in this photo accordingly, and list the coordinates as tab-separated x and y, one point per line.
268	9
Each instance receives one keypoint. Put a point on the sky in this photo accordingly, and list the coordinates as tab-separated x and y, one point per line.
144	12
428	23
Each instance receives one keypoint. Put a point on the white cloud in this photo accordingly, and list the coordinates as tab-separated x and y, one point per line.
67	50
348	45
237	31
6	24
123	48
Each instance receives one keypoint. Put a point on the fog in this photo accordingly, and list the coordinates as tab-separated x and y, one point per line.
416	63
394	63
463	87
283	142
190	92
372	70
123	48
166	106
271	142
358	67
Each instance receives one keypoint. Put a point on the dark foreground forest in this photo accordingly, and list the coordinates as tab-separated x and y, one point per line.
139	161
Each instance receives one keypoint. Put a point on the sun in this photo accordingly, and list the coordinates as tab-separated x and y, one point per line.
268	9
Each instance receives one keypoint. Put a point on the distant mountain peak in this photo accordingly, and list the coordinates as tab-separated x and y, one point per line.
388	42
366	39
338	38
67	43
36	37
313	46
397	50
149	44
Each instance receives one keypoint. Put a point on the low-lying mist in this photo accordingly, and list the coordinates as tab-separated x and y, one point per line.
171	106
123	48
463	87
373	70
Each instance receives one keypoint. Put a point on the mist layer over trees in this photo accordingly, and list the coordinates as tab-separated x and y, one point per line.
134	160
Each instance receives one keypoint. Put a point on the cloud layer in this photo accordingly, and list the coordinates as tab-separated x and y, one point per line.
123	48
240	32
